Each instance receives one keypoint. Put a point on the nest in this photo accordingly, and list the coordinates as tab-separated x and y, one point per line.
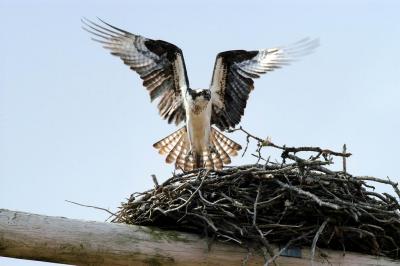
297	202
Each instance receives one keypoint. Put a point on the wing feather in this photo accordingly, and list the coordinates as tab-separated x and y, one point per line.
234	72
159	64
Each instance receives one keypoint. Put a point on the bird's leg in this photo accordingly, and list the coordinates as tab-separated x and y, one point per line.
212	149
190	153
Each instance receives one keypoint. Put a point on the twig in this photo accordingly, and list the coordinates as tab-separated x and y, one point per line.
155	180
94	207
265	242
344	159
255	204
189	199
315	240
383	181
288	244
308	194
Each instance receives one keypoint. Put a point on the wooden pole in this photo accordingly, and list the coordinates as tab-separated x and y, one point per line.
62	240
69	241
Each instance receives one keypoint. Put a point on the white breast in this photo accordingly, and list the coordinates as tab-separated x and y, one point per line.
198	125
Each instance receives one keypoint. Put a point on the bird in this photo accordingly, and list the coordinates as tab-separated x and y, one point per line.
204	113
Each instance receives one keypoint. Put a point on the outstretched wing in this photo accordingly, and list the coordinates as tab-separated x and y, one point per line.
160	65
233	76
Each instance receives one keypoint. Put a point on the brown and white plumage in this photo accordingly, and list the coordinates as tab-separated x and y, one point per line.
161	66
176	146
233	75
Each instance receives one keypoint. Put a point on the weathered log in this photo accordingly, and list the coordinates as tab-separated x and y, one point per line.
62	240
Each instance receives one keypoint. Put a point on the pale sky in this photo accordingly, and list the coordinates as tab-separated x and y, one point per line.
76	124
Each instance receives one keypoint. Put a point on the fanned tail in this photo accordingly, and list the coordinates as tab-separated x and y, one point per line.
225	143
224	148
168	144
177	148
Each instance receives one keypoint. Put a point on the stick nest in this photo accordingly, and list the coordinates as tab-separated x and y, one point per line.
298	202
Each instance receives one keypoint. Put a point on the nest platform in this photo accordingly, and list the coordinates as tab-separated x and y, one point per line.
297	202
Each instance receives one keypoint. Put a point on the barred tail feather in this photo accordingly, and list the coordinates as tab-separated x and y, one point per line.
177	147
207	160
228	145
223	149
180	161
165	145
174	153
221	152
217	161
189	163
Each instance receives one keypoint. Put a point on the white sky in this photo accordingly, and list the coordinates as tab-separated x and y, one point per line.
76	124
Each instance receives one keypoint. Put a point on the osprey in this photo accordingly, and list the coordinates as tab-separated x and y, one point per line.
162	68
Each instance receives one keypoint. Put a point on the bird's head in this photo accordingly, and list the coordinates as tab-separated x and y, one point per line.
199	95
198	99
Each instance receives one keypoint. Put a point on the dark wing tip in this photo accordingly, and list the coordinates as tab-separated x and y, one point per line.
236	56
